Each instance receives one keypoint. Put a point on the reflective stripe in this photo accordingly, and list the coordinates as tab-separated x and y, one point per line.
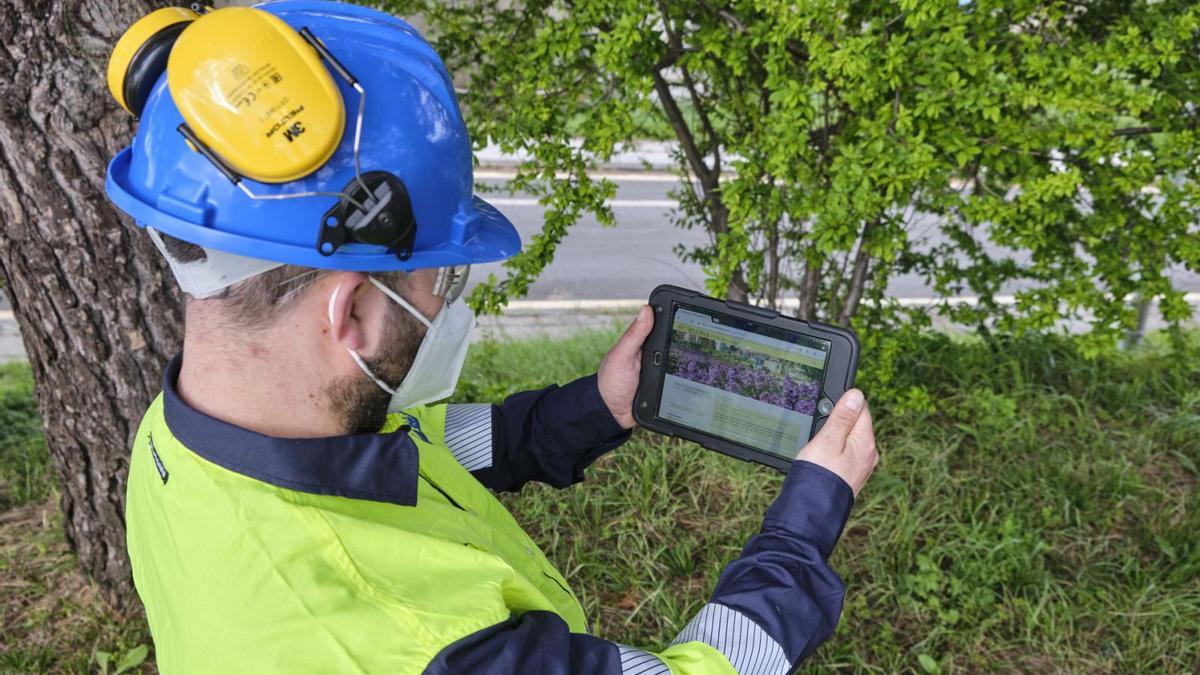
638	662
469	434
747	646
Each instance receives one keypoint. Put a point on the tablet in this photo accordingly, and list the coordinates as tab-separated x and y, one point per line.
738	379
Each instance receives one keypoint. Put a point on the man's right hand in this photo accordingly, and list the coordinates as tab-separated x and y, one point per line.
846	444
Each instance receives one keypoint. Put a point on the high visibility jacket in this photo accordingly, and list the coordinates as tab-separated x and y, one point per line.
387	553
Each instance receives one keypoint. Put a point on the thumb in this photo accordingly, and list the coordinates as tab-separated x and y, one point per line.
841	421
635	336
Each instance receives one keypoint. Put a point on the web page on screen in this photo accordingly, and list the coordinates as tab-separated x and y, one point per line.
751	384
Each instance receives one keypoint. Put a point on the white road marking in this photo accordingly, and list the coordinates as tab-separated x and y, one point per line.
644	177
559	305
615	176
7	315
787	303
616	203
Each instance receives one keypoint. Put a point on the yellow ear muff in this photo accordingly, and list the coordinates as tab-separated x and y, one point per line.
141	55
256	94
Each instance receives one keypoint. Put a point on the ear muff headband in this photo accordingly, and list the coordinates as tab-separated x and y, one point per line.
141	55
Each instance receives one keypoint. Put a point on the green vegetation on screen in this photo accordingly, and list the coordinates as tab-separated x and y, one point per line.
1034	511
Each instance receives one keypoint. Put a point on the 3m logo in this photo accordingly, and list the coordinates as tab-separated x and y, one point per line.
162	470
293	131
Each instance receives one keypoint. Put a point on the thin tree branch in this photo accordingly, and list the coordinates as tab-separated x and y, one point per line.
858	277
675	116
676	44
714	141
809	285
1136	131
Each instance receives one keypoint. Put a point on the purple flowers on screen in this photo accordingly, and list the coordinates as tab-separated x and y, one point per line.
759	383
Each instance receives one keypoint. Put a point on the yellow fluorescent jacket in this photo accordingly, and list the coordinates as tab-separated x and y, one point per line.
383	553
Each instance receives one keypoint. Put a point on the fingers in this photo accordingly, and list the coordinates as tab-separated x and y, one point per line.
861	440
846	444
841	422
630	344
618	374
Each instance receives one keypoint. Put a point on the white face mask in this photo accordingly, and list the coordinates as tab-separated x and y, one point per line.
439	360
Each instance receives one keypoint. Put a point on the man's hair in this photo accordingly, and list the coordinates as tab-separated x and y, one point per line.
257	301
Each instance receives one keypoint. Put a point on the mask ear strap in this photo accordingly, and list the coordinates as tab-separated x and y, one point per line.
362	365
332	300
401	301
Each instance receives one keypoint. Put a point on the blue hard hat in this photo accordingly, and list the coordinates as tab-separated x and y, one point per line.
412	128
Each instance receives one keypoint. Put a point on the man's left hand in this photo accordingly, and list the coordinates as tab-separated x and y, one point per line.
619	371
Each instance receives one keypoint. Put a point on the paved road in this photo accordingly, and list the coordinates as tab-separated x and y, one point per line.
594	263
597	263
628	260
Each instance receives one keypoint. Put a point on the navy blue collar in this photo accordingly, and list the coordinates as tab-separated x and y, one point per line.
377	467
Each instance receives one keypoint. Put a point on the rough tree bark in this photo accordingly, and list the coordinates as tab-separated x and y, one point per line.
97	309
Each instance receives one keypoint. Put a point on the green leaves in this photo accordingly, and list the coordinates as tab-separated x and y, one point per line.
993	146
121	662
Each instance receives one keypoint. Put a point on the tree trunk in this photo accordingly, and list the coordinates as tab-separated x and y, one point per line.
97	308
810	285
858	278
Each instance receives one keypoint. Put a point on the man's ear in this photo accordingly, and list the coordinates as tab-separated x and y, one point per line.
345	316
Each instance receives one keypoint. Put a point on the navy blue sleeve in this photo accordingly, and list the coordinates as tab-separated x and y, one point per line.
771	607
782	581
536	642
550	435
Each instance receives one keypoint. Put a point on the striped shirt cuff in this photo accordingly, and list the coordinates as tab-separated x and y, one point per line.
638	662
750	650
469	434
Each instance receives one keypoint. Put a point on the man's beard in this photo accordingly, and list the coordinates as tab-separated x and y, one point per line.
360	404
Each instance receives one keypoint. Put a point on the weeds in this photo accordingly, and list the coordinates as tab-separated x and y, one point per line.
1034	511
24	463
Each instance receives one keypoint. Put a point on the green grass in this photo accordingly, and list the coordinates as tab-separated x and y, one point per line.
51	619
23	458
1041	517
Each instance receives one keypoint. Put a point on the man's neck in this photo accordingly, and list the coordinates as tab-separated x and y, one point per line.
256	387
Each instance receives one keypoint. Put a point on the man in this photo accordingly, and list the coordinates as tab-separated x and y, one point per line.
297	500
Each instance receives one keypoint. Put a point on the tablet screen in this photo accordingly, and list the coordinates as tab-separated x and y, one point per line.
751	384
